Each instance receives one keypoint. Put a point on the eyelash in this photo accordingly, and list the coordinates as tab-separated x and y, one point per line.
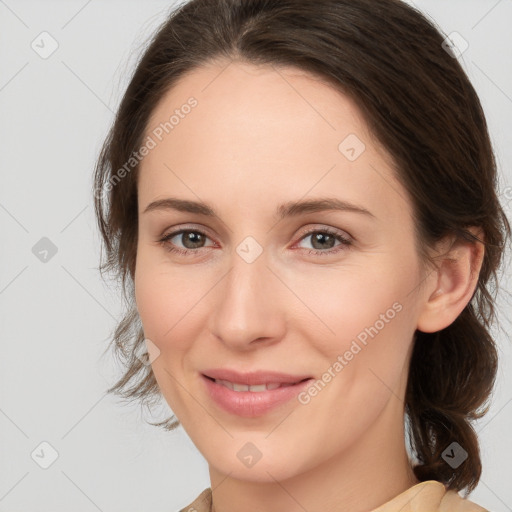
345	242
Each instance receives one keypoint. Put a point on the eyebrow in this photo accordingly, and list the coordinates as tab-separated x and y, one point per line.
289	209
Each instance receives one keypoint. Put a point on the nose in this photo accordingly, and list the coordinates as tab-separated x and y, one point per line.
250	305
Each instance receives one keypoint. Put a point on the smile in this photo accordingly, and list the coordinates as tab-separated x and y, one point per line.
251	400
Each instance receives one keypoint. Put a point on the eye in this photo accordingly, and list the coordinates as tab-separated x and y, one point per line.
194	239
191	238
323	240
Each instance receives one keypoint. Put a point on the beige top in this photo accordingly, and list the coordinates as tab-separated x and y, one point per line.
428	496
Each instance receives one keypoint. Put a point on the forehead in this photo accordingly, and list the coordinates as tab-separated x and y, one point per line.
263	131
261	102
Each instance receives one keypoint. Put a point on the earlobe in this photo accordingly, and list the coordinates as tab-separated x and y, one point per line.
455	281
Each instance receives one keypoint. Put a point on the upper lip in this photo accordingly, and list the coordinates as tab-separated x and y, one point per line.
253	378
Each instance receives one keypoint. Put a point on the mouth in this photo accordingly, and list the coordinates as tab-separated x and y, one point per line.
250	400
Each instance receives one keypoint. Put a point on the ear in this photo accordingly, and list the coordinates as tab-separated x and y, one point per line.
453	282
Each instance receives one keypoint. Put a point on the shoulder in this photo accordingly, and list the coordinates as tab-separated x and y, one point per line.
453	502
201	504
430	496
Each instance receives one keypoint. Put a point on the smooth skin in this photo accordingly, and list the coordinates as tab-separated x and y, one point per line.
259	137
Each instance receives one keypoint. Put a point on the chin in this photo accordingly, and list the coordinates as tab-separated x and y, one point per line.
254	458
261	472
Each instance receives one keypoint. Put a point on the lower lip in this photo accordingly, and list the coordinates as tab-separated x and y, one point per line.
250	404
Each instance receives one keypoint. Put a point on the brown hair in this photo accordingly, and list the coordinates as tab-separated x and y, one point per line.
419	104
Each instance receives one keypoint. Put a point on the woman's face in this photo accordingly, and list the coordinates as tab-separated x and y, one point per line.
261	291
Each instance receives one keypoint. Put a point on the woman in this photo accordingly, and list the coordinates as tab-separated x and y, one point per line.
299	197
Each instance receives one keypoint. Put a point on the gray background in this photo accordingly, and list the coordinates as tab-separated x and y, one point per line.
56	316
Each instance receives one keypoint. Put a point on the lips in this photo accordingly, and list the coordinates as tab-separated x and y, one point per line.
252	394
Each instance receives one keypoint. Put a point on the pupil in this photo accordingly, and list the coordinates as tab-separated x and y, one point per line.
318	237
189	237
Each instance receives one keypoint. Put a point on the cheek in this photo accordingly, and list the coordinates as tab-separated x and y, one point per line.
169	298
154	298
373	315
359	303
162	303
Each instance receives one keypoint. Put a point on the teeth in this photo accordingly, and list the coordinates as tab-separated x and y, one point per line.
244	387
